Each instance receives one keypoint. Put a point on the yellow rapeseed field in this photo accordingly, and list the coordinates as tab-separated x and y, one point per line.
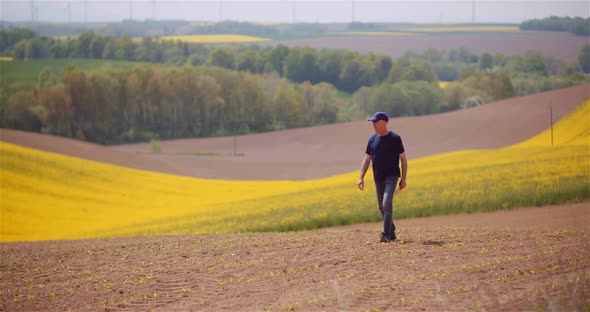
215	38
443	84
48	196
6	59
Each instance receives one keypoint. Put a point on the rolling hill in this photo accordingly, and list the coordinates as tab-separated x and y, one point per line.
317	152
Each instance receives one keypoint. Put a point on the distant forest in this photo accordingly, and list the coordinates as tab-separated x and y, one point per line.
193	90
153	28
578	26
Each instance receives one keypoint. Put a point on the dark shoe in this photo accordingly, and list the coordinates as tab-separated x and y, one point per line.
393	237
385	238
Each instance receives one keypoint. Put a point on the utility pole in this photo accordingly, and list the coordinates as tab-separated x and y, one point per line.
154	10
353	11
85	11
32	11
551	119
221	10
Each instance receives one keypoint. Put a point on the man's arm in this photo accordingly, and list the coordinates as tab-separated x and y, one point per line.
364	168
402	183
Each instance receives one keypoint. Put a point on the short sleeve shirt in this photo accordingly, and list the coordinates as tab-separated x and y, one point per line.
384	152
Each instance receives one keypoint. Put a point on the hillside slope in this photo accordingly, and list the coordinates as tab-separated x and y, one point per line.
316	152
52	196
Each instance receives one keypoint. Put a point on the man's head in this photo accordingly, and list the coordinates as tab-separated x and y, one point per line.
379	116
380	120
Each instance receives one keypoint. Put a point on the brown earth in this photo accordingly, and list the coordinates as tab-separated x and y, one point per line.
563	46
316	152
520	260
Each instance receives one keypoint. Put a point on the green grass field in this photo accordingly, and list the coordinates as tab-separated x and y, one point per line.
23	74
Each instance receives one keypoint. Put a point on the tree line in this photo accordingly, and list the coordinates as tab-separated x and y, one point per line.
123	105
346	70
146	102
577	25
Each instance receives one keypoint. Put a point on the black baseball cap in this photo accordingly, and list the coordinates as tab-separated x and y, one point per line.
379	116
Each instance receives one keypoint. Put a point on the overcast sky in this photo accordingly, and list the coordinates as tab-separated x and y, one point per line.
289	10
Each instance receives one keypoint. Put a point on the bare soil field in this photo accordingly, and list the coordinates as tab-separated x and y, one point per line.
520	260
563	46
316	152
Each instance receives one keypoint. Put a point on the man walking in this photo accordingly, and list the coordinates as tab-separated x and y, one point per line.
385	149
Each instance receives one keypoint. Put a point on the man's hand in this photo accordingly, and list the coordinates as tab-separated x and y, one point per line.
402	184
361	184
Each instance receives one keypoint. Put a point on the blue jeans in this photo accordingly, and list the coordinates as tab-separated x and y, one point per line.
385	190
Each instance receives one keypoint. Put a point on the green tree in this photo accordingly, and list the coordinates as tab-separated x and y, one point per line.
10	37
19	112
322	103
433	55
382	65
19	50
126	49
105	121
531	62
351	76
57	114
84	44
222	57
277	58
80	93
22	112
584	58
290	106
246	61
301	65
412	69
330	66
174	55
486	62
489	86
108	51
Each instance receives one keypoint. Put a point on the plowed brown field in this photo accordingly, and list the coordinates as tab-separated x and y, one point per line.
530	259
563	46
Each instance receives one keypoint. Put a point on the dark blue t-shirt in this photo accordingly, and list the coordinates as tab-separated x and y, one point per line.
384	151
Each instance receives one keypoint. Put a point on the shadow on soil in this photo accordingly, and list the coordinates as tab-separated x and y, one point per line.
433	243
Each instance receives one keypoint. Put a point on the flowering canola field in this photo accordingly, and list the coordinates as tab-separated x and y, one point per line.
49	196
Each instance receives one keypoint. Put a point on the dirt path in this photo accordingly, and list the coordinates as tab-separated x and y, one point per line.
527	259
